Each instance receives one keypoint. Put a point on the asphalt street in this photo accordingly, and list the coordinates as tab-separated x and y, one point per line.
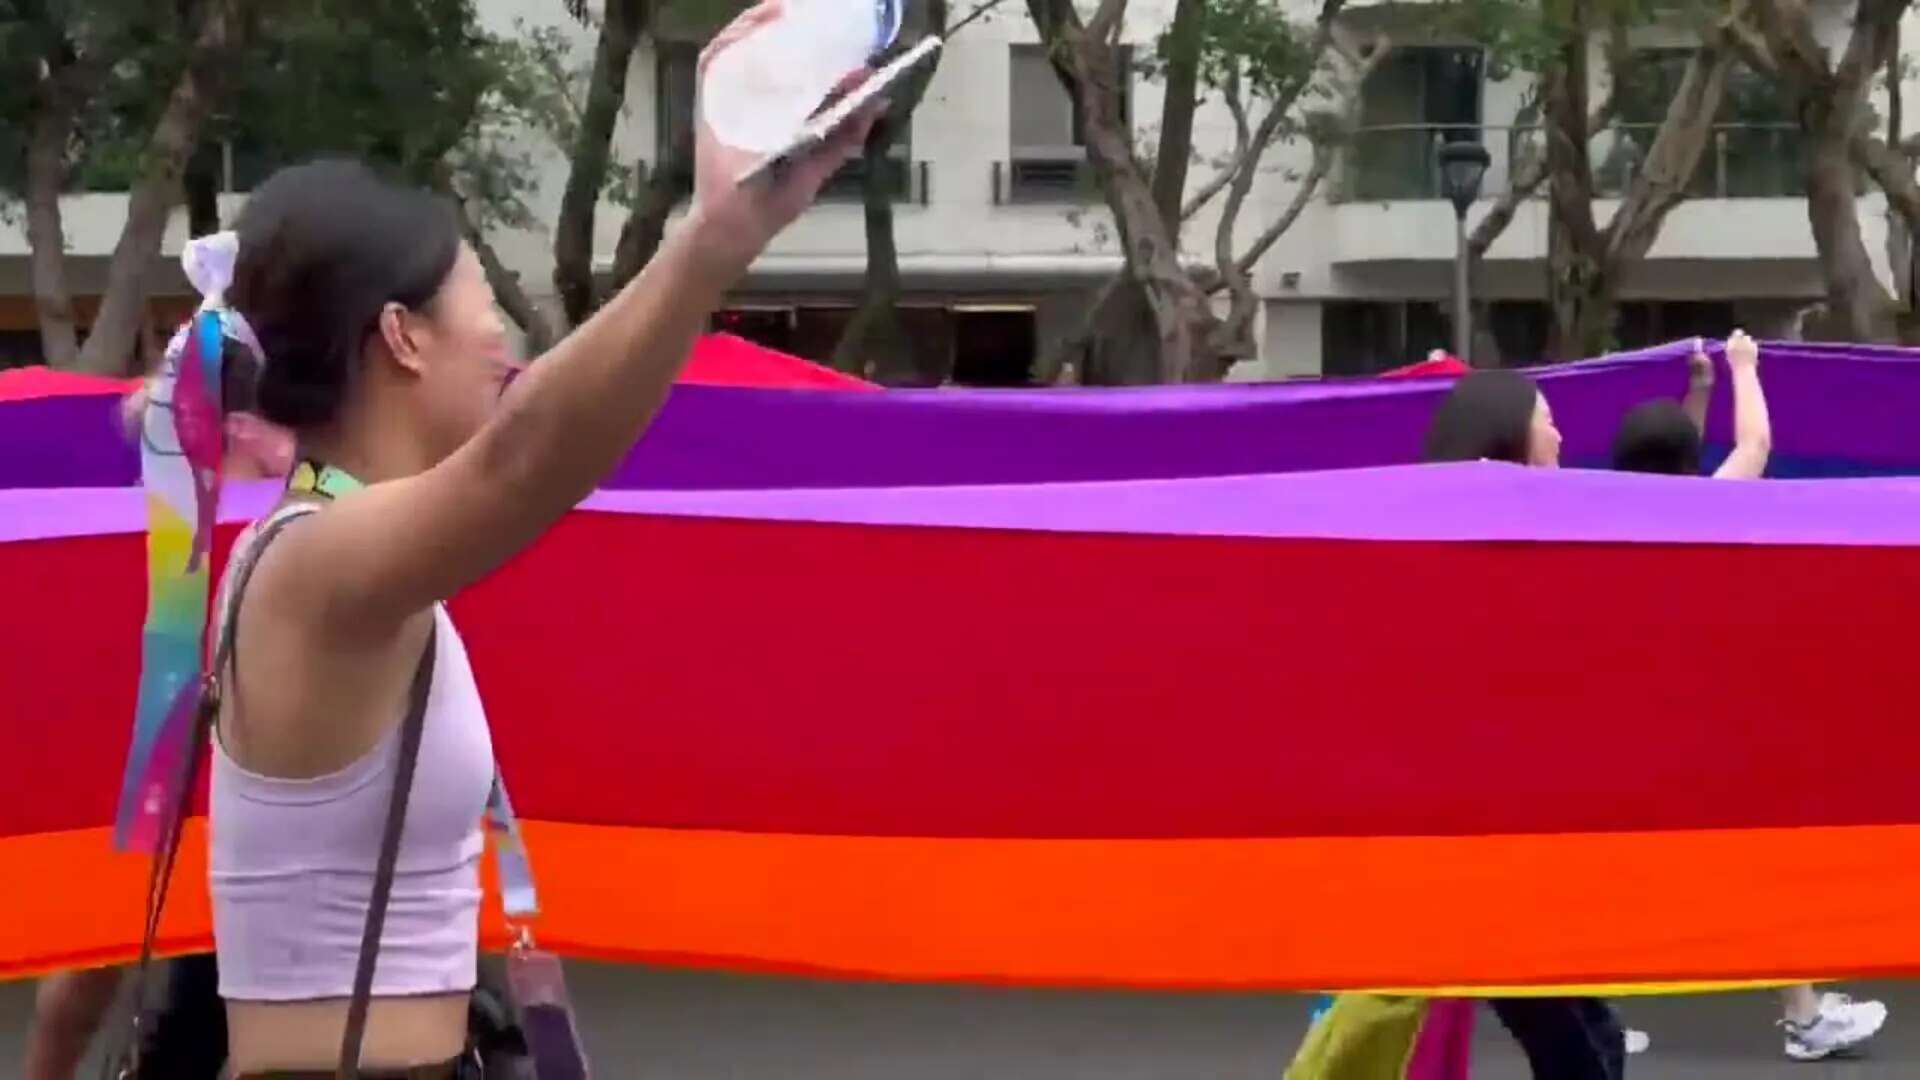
664	1025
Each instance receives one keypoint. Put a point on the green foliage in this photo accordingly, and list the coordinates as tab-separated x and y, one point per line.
1524	35
125	48
395	84
1252	43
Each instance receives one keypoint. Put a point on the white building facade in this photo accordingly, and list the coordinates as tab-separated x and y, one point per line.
1003	238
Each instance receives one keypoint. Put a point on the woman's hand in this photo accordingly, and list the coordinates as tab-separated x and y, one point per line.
1743	353
1700	365
736	221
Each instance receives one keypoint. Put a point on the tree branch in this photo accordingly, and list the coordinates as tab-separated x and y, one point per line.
1521	186
1242	137
1323	158
590	154
1747	42
1106	21
1893	171
1660	184
1352	68
1791	45
979	11
1876	27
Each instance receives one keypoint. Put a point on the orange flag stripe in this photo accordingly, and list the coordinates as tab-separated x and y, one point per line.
1656	909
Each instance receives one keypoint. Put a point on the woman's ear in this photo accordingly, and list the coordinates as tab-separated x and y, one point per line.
396	333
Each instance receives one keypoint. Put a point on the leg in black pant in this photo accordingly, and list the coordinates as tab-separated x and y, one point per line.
1566	1038
189	1036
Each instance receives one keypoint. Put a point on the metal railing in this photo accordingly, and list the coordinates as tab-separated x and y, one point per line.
1401	161
1044	180
907	181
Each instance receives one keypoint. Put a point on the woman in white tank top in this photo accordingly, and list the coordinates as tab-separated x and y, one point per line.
380	348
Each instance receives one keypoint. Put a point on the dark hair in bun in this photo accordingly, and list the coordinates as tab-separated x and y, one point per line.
324	247
1487	416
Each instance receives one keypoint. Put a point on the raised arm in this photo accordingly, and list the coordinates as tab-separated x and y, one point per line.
1699	386
400	546
1752	427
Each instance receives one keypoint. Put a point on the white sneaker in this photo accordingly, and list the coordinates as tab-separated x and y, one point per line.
1638	1042
1843	1024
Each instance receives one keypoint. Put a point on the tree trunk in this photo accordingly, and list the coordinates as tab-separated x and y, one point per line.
1122	346
46	233
201	182
1899	229
874	344
646	224
508	291
1182	74
1583	296
112	343
592	149
1180	311
1855	297
1831	102
1670	164
1577	285
1115	343
1087	59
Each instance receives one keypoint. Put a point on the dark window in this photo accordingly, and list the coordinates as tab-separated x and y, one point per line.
1647	323
1755	151
1414	100
994	346
1519	329
771	327
818	330
1047	156
20	348
896	170
1366	337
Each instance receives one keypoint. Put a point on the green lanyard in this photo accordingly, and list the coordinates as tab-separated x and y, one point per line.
313	478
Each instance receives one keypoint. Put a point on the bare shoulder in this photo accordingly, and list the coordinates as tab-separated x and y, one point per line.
306	696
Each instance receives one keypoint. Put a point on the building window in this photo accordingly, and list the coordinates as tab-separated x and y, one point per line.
1519	329
20	348
995	345
1755	150
1645	324
849	183
1367	337
1413	101
771	327
1047	160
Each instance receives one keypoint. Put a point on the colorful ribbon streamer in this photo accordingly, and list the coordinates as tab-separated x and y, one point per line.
182	443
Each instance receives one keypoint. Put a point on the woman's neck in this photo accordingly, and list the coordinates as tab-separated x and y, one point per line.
370	453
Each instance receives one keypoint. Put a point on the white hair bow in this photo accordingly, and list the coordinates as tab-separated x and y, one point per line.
209	261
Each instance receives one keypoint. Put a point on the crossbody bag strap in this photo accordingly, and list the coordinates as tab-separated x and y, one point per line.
160	876
410	731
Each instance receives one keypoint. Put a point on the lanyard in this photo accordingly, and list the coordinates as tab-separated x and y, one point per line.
517	896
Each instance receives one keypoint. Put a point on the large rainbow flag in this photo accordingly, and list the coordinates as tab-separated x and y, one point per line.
1137	731
1838	411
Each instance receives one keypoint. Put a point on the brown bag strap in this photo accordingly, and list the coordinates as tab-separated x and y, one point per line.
410	731
160	876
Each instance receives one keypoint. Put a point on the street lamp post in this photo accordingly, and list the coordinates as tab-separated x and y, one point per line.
1462	166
